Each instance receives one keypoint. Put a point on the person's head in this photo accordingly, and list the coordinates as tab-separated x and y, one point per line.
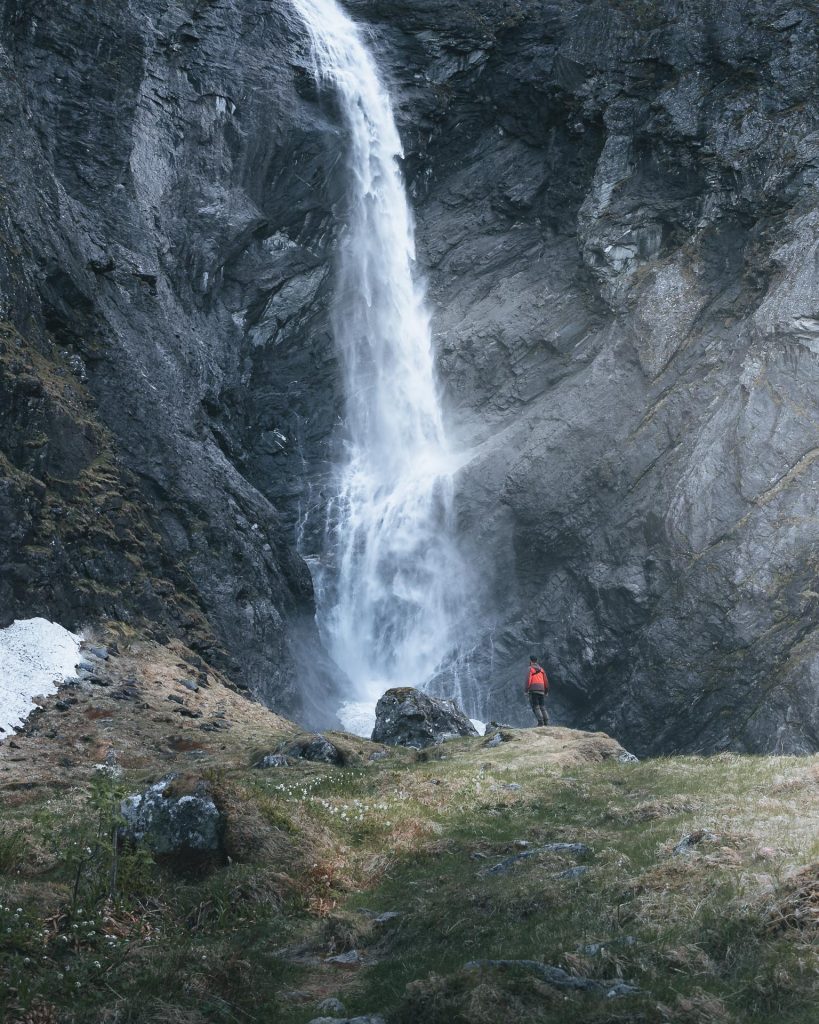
533	659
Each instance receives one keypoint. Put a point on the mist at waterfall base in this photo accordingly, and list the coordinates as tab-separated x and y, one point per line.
392	589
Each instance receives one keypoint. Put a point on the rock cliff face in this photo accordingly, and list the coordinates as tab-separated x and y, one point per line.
153	160
617	216
617	209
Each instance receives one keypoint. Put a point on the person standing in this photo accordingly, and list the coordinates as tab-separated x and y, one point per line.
537	686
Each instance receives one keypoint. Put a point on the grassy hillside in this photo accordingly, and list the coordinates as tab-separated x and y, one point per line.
391	865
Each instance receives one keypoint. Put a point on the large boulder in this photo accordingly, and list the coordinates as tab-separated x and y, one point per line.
314	747
179	820
407	717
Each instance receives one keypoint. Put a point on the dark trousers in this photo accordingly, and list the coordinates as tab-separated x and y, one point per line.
538	702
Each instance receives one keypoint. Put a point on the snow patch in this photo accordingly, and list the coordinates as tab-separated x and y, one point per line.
480	726
35	656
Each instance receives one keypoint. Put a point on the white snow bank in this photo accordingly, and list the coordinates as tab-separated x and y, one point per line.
479	725
35	655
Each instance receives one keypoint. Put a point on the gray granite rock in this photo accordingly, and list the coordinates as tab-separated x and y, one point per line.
273	761
178	819
407	717
314	747
332	1007
571	849
557	977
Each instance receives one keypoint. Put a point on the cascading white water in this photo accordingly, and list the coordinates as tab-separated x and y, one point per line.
391	583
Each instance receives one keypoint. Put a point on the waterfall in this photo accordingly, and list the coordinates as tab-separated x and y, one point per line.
390	583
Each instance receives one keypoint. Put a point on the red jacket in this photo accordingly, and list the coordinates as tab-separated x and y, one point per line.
537	680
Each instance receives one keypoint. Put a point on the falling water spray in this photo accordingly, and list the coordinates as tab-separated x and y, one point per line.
391	586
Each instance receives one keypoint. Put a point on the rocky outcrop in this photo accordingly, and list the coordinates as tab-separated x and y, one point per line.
314	747
407	717
557	977
150	237
178	819
272	761
617	208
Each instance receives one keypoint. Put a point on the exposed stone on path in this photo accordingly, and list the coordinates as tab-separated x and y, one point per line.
571	873
349	959
573	849
557	977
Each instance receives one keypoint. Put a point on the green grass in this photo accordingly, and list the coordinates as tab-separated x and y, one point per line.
317	849
12	851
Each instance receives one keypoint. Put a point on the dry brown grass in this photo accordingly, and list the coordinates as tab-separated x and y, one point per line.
251	837
649	810
146	733
323	885
311	843
160	1012
689	958
372	867
797	908
698	1008
40	1013
344	930
487	1005
409	833
480	1000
